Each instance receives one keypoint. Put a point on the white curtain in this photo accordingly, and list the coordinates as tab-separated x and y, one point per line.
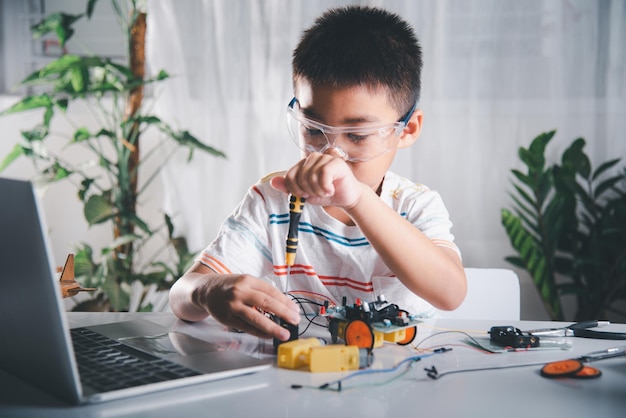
497	73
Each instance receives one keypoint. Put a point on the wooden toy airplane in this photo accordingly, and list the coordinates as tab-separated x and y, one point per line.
69	285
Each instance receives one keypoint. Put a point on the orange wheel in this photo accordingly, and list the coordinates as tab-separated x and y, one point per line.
563	368
410	336
588	372
360	334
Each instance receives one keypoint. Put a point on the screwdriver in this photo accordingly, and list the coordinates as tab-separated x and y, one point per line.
296	204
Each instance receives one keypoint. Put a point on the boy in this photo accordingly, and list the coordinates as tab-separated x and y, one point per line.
364	231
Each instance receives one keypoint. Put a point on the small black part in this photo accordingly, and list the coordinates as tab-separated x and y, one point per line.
293	330
508	336
296	386
432	372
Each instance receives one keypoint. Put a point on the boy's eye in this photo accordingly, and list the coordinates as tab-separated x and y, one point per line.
312	131
358	137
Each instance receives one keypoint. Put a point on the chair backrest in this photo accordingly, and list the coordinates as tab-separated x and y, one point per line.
491	294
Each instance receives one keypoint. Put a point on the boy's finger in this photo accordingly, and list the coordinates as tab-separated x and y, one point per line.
256	323
281	308
278	183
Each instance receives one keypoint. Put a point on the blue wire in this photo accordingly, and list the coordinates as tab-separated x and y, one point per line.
373	371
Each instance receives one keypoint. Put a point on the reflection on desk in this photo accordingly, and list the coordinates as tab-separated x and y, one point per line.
505	384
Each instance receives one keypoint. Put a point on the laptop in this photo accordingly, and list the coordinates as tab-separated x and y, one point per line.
38	347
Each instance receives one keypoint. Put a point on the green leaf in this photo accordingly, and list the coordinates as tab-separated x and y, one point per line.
79	79
170	226
534	162
530	224
187	139
81	134
575	157
544	185
118	298
56	172
533	157
538	145
534	260
85	267
523	178
59	23
91	4
47	116
137	221
16	152
516	261
38	133
98	210
522	207
85	185
61	103
604	167
149	119
105	132
77	76
527	198
29	103
608	184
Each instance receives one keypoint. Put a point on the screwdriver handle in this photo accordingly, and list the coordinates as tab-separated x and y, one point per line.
296	205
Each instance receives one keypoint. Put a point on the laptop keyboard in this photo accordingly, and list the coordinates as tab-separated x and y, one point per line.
105	365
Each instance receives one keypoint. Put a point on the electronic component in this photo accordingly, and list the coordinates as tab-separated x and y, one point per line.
293	330
310	353
370	324
508	336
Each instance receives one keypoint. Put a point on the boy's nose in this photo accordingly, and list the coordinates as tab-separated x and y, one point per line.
336	152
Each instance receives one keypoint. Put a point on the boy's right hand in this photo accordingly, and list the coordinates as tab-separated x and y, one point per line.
239	301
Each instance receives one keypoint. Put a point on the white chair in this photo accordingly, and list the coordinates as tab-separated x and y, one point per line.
491	294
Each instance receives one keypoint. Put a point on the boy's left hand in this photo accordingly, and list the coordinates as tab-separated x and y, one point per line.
322	179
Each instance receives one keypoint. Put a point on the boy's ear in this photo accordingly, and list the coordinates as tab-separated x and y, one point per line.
412	130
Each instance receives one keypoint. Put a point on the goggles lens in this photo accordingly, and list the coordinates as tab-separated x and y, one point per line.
357	143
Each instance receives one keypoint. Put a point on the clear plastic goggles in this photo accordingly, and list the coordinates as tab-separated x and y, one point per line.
354	143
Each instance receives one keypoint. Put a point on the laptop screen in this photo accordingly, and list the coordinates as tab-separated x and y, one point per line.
32	322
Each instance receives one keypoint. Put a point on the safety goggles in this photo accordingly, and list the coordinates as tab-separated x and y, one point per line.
353	143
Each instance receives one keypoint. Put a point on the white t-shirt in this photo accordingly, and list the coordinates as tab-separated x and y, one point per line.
333	260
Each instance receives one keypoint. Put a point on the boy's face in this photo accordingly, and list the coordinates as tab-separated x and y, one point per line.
358	106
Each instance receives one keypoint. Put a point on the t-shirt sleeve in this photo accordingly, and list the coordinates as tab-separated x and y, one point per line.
242	243
429	214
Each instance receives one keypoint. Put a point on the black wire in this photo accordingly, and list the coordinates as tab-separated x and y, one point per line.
311	320
479	345
505	366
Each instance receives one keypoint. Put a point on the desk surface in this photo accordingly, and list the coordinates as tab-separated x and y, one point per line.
502	392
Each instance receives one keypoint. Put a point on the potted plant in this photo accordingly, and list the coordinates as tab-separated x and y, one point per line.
108	183
568	226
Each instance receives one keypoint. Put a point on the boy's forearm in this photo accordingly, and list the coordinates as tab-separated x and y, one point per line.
182	299
434	273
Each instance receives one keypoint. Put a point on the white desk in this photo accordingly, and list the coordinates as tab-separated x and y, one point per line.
506	393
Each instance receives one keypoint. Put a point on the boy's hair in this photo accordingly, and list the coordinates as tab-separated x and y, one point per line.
356	45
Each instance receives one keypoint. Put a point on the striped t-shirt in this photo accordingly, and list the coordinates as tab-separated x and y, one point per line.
333	260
